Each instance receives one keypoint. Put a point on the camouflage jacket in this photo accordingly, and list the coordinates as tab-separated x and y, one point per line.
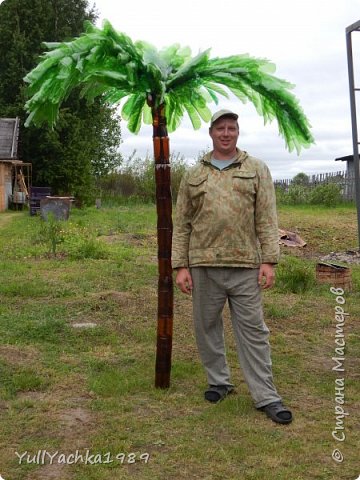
226	217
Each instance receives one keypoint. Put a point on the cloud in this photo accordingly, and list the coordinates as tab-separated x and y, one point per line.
304	38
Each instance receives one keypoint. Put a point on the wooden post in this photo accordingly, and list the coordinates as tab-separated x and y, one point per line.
164	236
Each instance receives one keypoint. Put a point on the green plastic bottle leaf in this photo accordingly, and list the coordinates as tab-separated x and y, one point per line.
106	62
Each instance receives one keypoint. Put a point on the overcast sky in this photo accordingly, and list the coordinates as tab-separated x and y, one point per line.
306	41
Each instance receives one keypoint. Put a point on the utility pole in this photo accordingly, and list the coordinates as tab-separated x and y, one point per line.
355	27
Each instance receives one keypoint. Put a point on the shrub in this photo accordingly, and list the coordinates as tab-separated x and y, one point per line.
280	195
136	179
329	195
295	195
301	194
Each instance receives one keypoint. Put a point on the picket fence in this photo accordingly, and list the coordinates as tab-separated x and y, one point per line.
341	178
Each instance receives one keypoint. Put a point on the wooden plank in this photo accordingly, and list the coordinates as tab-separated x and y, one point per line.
2	198
9	132
7	173
2	187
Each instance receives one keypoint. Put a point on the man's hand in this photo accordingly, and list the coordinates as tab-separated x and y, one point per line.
183	280
266	271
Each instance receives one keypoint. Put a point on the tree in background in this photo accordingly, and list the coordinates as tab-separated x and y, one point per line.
83	146
160	87
301	179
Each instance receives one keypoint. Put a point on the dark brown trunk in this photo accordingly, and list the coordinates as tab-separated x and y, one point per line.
164	236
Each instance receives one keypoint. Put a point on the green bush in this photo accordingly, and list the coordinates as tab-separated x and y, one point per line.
280	195
328	195
295	195
136	180
298	194
301	194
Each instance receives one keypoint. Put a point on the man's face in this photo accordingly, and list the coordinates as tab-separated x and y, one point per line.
224	134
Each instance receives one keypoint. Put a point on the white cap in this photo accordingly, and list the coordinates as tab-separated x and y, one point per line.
223	113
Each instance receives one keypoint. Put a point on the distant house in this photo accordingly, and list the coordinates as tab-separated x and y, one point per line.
349	192
349	159
15	175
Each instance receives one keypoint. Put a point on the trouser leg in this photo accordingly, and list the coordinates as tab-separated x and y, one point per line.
209	298
251	333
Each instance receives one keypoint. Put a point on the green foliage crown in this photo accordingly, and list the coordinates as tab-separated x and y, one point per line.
108	63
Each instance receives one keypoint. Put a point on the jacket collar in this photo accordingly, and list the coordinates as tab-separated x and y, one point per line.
241	155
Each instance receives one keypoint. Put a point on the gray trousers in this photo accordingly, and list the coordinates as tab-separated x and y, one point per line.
212	286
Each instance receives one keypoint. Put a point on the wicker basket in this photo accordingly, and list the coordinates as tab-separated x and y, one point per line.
335	275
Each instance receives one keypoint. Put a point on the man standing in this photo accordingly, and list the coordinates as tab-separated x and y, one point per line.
225	246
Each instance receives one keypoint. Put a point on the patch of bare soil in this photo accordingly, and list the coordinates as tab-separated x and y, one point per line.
74	422
18	356
32	395
70	420
128	238
122	298
55	471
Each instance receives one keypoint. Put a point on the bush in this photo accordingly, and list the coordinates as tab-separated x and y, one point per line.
296	195
301	194
328	195
136	179
280	195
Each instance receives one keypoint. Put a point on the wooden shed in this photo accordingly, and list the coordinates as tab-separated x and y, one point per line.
349	181
15	175
349	159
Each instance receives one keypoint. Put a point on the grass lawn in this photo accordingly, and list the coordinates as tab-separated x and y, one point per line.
77	354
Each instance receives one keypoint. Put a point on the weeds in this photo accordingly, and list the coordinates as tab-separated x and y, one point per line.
80	248
51	232
294	275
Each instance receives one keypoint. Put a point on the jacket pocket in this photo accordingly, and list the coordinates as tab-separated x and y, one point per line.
198	185
244	181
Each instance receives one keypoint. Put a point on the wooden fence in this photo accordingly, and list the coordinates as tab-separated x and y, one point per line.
341	178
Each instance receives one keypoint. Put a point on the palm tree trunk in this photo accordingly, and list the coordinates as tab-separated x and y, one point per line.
164	236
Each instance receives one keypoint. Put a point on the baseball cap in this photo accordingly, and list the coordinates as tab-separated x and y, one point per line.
223	113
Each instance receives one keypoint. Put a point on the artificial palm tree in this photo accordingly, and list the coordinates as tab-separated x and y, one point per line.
160	87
